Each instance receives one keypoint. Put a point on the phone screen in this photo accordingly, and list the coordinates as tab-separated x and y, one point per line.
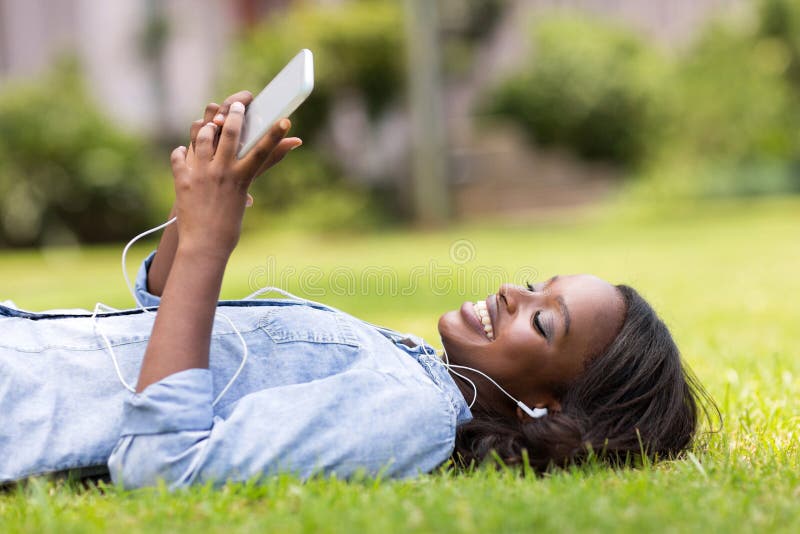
278	99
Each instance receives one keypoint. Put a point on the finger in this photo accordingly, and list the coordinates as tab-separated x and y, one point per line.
229	140
245	97
211	110
283	148
259	154
178	162
249	202
193	129
204	148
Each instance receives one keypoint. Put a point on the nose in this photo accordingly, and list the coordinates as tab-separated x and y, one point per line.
510	292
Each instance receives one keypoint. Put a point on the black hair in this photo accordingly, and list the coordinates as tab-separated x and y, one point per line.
636	399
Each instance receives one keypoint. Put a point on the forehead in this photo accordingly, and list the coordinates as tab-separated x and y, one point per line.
595	306
580	283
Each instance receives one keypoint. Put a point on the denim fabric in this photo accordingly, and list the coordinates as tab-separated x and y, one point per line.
321	391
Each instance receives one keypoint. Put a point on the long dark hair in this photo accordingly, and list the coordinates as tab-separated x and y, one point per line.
634	400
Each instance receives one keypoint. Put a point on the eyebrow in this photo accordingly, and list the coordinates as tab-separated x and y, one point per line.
564	313
562	305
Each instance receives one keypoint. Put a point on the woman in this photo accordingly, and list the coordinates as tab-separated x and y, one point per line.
242	389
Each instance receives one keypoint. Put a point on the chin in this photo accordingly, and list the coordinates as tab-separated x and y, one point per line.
448	324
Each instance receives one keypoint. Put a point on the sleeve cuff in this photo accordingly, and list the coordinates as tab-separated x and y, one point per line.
146	298
180	402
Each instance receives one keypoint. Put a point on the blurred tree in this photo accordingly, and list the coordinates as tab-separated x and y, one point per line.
591	86
66	173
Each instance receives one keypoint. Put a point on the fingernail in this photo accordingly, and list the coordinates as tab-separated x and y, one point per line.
237	107
284	124
219	117
298	145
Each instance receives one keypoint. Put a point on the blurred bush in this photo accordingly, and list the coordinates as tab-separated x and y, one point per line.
67	174
591	86
718	117
734	130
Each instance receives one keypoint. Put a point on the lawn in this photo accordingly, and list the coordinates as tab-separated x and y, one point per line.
724	277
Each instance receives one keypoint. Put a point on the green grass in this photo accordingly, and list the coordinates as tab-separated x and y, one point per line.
723	275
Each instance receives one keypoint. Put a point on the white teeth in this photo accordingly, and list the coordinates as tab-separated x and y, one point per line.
482	312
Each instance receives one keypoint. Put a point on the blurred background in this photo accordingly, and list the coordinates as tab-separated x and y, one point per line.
424	112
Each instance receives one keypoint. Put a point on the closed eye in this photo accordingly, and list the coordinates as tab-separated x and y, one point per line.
537	324
536	321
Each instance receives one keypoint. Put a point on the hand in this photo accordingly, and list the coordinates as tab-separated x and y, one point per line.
216	114
168	245
211	183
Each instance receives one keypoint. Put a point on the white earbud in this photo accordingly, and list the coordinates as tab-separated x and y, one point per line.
536	413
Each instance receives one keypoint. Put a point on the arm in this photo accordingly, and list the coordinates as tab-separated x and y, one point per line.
359	420
210	202
168	245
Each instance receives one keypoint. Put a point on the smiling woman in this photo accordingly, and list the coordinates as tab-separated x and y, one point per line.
240	390
594	355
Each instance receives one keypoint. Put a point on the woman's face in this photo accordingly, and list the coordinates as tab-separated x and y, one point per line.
538	339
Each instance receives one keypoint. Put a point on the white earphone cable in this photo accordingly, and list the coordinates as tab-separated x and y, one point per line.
535	412
143	308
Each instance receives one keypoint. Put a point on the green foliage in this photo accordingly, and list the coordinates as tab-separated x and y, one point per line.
590	86
65	172
736	114
780	20
719	117
306	191
742	344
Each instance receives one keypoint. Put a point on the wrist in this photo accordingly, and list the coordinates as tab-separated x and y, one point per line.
203	253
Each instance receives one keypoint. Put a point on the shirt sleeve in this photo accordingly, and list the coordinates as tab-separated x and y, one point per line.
143	296
356	421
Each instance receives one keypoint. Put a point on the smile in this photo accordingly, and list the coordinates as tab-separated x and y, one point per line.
482	313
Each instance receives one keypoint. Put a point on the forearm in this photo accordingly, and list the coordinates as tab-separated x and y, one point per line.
162	261
211	194
182	331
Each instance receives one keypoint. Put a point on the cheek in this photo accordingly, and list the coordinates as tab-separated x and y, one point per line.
522	342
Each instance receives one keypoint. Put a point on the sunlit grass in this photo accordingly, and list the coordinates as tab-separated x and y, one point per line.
724	276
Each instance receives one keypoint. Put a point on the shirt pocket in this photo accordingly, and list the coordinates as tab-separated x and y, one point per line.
292	324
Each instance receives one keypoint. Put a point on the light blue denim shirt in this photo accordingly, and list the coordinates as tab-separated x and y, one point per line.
321	392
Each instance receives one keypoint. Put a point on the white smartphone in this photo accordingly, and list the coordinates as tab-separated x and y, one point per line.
278	99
